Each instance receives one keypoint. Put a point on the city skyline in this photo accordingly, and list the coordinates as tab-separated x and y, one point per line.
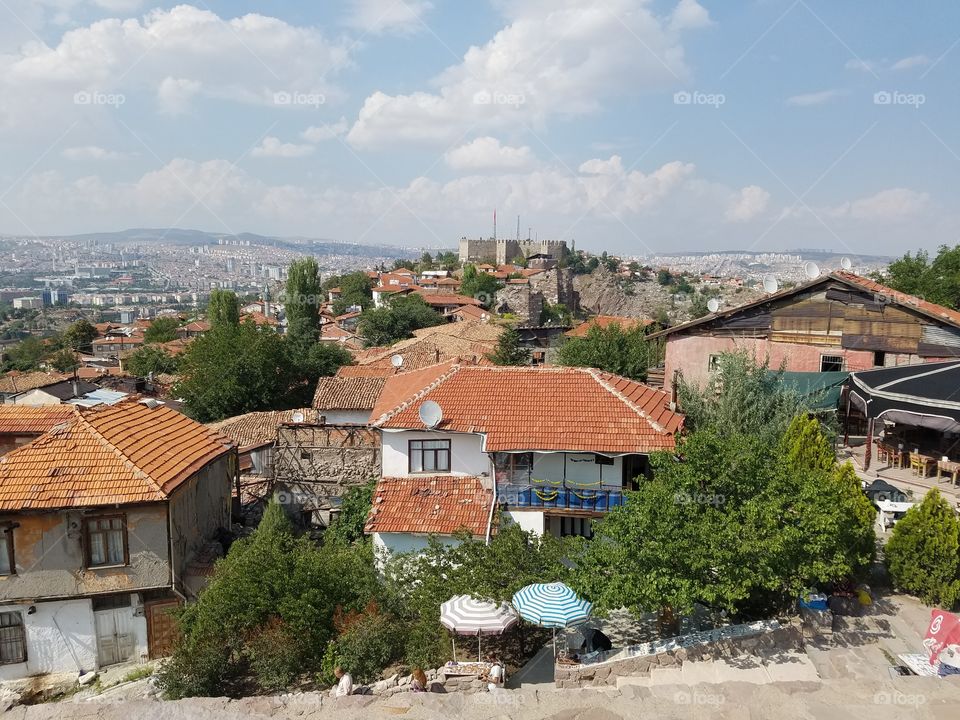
632	126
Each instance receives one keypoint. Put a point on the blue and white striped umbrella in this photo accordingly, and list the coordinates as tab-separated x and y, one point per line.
552	605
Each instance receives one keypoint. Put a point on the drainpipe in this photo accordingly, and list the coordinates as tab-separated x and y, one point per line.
493	503
173	565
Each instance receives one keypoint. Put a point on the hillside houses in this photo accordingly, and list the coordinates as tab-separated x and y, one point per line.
837	322
102	514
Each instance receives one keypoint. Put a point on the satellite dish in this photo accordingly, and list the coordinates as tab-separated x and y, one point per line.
713	305
298	417
770	284
396	360
431	414
845	263
811	270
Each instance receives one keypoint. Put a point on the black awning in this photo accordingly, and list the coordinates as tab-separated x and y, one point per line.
925	395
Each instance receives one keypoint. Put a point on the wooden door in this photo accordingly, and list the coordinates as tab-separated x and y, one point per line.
116	641
162	631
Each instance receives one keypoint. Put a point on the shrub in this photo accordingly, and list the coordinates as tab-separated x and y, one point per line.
368	643
923	553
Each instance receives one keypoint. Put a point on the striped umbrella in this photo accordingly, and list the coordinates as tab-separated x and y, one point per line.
466	615
552	605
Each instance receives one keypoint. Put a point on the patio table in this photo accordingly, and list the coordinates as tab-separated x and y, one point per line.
951	468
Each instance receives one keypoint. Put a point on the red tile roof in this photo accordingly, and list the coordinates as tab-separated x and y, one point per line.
604	321
347	393
256	429
448	299
114	455
17	382
895	296
32	420
439	504
471	312
519	408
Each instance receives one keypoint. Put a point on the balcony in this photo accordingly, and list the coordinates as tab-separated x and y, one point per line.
547	497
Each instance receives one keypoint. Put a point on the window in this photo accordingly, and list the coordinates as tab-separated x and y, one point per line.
831	363
13	641
713	363
513	467
7	564
106	541
429	456
879	358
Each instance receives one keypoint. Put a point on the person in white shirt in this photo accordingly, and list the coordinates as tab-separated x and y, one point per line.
494	673
344	684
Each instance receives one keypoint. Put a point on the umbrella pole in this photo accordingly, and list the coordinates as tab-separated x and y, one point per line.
478	647
554	643
453	639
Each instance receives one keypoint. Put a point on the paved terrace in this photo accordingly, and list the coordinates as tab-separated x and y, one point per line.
904	478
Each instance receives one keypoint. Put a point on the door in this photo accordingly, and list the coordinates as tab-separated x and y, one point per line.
162	632
116	641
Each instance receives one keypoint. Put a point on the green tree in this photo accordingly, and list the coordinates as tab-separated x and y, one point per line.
79	335
302	302
479	285
161	330
613	349
664	277
27	354
235	369
923	553
396	320
149	360
509	351
555	314
936	280
269	609
224	308
354	508
355	289
63	360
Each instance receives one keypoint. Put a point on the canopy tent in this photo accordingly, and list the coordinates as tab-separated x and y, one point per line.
926	395
822	388
465	615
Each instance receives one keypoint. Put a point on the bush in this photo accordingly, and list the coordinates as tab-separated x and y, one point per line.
367	643
923	553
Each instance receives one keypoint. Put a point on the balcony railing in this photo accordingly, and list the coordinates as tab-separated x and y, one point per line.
546	497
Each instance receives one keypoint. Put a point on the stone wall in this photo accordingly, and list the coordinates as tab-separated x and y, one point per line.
436	683
527	301
640	660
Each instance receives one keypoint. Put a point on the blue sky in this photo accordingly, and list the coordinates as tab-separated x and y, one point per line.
636	126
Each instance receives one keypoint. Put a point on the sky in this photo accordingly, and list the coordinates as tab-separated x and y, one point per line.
634	126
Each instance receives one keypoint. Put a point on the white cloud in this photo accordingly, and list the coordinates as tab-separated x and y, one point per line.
172	53
175	94
486	153
272	147
908	63
387	16
816	98
886	205
91	152
329	131
551	58
689	14
747	204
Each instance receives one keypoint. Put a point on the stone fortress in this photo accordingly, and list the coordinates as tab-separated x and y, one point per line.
500	251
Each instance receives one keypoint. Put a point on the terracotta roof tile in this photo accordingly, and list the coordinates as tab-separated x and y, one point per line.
347	393
29	420
109	455
438	504
256	429
436	298
18	382
546	409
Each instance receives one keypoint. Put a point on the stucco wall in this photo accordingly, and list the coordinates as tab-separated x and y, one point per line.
387	544
199	507
466	454
51	649
35	398
691	354
49	555
346	417
528	520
